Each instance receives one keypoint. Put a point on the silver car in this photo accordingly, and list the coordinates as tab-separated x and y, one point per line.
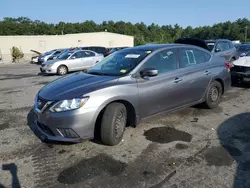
126	87
71	61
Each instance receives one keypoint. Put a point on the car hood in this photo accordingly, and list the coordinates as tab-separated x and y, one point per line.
75	85
242	62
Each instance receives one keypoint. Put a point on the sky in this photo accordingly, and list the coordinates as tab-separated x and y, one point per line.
163	12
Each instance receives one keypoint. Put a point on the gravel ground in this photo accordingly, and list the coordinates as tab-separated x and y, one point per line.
192	148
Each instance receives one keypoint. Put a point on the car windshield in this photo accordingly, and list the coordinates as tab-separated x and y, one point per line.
65	55
48	53
119	63
210	45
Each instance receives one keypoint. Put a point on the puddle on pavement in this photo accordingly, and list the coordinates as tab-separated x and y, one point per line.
181	146
166	135
218	156
90	168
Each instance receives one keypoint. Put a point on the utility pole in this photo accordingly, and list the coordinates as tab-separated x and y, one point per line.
246	33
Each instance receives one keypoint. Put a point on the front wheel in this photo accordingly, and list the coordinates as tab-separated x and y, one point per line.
113	124
213	95
62	70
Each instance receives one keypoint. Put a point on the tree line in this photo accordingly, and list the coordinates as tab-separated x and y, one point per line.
143	33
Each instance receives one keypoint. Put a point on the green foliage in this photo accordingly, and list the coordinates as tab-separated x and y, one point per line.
143	33
16	54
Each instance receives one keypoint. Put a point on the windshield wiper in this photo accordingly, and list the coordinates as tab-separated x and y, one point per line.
101	73
98	73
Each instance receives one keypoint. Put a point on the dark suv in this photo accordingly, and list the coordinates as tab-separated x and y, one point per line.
223	48
97	49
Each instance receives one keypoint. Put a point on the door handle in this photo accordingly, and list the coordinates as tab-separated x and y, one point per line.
207	72
177	80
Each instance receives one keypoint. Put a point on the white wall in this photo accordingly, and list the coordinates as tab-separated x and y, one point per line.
44	43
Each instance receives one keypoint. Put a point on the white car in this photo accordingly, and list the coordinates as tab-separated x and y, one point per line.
240	70
71	61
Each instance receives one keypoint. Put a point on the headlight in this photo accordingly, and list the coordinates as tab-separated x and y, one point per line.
49	65
66	105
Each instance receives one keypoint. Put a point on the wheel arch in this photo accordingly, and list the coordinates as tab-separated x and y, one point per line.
131	114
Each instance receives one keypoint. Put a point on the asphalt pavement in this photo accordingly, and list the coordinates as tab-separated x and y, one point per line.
192	148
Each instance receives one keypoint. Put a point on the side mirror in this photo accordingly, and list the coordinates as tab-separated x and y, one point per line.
242	55
73	57
217	50
150	72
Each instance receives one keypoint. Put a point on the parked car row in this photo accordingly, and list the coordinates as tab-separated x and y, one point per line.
130	85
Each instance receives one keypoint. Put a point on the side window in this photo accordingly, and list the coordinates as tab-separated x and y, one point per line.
225	46
88	54
187	57
163	61
77	55
219	46
248	55
201	56
231	45
57	52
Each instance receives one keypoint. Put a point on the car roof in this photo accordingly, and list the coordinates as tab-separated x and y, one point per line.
151	47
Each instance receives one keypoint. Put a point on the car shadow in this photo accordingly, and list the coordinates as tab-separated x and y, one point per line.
234	136
12	168
44	74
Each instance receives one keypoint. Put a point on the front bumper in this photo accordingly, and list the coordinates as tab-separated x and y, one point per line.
48	70
54	126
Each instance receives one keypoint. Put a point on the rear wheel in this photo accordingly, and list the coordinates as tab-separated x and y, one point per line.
113	124
62	70
213	95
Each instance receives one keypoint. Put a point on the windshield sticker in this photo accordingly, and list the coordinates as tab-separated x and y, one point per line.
123	71
132	56
148	52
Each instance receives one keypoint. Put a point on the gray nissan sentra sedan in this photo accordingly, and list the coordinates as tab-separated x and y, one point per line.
127	86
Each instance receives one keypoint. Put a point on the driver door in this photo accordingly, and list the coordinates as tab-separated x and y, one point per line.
75	61
155	92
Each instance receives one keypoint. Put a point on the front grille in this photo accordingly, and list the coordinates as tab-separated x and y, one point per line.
67	133
45	129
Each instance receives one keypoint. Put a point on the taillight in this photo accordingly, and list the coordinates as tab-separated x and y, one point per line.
228	65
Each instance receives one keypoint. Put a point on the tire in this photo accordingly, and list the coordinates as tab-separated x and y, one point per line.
213	95
113	124
62	70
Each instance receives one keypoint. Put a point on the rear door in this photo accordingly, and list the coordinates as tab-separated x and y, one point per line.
195	73
89	59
